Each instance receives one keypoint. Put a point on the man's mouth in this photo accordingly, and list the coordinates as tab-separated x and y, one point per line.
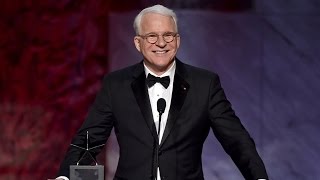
161	52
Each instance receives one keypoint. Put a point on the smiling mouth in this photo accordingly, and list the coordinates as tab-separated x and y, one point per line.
161	52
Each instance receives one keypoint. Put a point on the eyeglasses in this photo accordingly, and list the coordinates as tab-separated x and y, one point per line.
153	37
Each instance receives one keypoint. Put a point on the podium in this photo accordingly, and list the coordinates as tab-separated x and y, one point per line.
87	172
81	172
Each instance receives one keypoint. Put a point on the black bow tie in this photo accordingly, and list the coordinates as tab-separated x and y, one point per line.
151	80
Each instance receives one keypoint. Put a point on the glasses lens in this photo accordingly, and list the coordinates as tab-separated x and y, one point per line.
152	38
168	38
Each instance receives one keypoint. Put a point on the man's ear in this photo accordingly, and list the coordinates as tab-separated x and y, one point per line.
136	41
178	40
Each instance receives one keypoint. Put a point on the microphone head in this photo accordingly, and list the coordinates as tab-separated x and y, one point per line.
161	105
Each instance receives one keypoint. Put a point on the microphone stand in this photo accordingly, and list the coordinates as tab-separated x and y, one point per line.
158	145
161	105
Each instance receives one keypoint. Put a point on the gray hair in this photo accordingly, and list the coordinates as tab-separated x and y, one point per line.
159	9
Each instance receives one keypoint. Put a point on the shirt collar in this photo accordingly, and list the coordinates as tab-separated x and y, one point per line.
170	72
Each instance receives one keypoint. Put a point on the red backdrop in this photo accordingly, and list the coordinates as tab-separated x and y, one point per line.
53	55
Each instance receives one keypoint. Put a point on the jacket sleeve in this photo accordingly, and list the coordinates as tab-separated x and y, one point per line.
98	123
232	135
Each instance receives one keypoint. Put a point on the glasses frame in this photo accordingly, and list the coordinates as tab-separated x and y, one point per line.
155	35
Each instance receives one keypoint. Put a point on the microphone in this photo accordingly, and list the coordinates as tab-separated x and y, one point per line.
161	106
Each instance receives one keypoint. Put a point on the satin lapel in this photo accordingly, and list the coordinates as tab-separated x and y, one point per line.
140	91
179	93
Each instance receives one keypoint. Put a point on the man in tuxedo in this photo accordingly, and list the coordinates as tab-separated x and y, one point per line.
163	139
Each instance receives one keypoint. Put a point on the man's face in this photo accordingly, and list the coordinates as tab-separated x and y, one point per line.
158	56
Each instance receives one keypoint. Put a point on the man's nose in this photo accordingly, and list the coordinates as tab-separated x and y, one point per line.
161	42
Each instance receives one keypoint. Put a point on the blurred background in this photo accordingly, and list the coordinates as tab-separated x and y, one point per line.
54	53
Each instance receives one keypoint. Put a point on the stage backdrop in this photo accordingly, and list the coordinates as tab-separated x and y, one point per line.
53	55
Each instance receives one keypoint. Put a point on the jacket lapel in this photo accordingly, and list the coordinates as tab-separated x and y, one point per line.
179	93
140	91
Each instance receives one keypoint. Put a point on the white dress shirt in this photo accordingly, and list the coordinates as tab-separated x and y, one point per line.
156	92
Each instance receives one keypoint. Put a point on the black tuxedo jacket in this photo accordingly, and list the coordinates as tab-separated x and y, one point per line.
198	104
